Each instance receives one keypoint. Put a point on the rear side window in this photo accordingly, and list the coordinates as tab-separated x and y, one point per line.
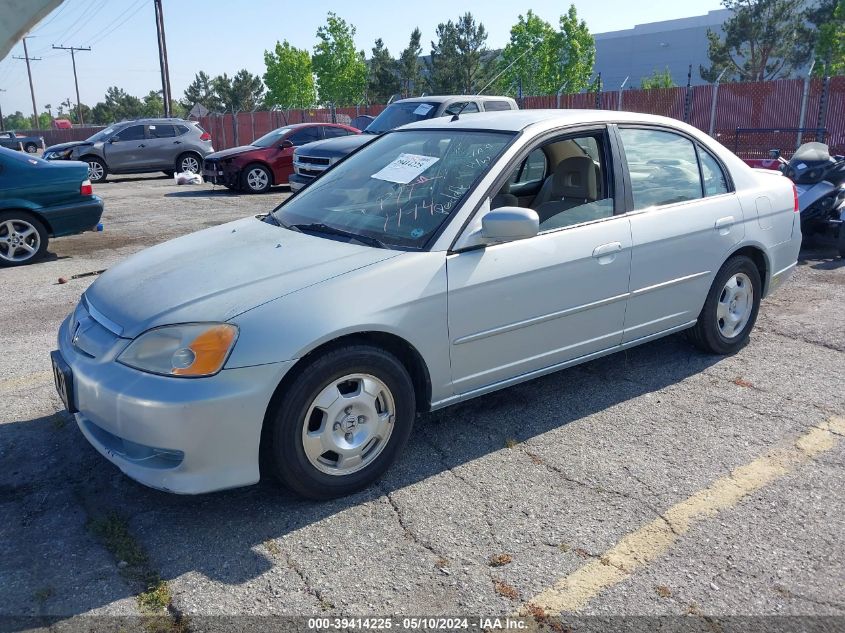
334	132
663	167
162	131
496	106
131	133
183	129
715	182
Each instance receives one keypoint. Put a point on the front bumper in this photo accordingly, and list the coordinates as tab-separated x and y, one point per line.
187	436
297	182
221	174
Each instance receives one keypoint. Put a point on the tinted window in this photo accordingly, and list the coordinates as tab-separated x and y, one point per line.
183	129
333	132
715	182
663	167
494	106
468	107
401	113
304	135
161	131
132	133
269	139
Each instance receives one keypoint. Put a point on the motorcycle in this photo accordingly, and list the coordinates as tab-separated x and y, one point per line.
820	182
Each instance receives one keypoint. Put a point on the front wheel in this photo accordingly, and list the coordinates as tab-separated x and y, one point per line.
23	238
97	170
731	307
256	179
341	423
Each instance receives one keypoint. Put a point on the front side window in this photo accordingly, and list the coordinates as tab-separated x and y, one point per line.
663	167
271	138
531	169
715	182
131	133
399	189
334	132
304	135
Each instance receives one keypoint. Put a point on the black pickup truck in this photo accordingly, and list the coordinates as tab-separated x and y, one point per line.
13	140
311	160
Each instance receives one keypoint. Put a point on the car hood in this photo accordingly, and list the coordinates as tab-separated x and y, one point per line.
332	147
64	146
218	273
234	151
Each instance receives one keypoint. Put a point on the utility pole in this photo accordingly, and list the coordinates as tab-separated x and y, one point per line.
162	58
29	72
1	115
72	50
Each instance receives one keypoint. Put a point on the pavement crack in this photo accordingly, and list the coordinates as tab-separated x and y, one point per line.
409	533
311	590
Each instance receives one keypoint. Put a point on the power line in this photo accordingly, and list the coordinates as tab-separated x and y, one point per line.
31	89
73	50
123	18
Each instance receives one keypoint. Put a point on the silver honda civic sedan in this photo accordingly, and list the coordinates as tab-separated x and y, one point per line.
445	260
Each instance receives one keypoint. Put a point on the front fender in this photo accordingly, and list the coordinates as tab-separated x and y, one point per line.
404	296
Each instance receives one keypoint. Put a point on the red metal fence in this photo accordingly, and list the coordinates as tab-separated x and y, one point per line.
769	105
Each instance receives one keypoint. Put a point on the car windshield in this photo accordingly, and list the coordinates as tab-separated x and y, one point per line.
271	138
397	190
397	114
102	135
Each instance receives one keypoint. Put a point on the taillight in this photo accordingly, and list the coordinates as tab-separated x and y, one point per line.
205	136
85	189
795	208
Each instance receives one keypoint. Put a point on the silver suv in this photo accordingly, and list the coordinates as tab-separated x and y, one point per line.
134	147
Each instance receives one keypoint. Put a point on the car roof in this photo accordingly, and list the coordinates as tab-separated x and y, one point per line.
518	120
445	98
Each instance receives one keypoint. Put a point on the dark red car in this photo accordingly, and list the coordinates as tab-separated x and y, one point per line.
268	160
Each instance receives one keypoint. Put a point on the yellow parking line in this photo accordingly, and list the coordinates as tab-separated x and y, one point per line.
654	539
11	384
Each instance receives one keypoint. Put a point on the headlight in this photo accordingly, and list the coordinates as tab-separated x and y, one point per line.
190	350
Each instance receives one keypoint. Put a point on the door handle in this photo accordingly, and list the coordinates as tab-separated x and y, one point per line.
142	145
723	225
177	142
607	249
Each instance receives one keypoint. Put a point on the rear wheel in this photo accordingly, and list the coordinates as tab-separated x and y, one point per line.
30	148
97	170
189	162
23	238
731	307
256	179
341	423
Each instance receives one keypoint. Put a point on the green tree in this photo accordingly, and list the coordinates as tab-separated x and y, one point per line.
830	45
341	70
658	79
763	40
243	92
201	91
17	121
289	77
545	59
460	61
410	68
383	81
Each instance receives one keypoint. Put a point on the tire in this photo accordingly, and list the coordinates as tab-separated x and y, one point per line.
840	241
256	178
97	169
30	148
726	321
23	238
327	404
189	161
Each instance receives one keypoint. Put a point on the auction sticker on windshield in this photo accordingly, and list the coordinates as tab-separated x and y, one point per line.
423	109
405	168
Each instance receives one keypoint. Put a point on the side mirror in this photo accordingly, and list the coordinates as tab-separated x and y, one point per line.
510	223
113	139
285	144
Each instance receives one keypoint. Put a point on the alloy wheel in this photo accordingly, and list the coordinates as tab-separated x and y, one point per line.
95	171
736	303
257	179
19	240
191	164
348	424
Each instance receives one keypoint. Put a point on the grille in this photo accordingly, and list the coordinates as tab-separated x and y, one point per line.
313	160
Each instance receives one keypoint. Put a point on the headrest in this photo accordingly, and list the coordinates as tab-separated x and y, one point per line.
575	177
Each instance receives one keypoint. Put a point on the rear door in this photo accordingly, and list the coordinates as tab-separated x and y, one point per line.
126	150
162	145
683	226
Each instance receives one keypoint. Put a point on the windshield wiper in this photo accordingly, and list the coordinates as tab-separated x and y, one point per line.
320	227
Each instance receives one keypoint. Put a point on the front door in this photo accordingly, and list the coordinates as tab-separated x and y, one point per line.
127	149
530	305
685	220
283	160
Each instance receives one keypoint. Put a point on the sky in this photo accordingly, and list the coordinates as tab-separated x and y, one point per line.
220	36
